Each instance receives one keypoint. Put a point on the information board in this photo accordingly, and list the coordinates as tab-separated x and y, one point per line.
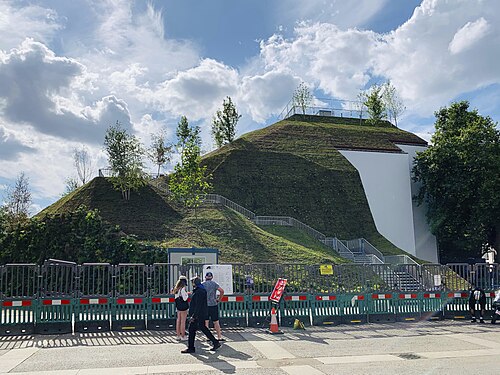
326	269
223	275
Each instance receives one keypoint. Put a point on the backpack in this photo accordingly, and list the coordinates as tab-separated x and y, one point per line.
180	304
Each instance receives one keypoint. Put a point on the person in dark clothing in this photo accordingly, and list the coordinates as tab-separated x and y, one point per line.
477	296
198	312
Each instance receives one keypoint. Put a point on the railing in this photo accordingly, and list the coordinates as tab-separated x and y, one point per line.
368	248
219	199
326	107
399	259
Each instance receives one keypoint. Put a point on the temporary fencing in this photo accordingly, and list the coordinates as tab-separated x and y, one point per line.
63	297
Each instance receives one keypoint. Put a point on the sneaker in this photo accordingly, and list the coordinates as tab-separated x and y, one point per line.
481	321
178	338
215	347
187	351
473	320
184	338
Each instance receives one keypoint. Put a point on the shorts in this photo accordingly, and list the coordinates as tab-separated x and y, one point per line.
213	313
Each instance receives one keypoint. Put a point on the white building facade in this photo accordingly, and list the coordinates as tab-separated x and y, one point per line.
386	179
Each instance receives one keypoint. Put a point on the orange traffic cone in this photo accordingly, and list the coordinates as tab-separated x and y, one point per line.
273	328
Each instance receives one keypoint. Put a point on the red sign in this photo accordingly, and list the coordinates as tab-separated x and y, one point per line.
278	290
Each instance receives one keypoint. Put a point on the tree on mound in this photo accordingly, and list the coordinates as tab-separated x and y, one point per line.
460	176
190	180
125	157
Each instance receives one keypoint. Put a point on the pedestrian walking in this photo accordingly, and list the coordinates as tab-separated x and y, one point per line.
197	316
477	296
182	306
213	302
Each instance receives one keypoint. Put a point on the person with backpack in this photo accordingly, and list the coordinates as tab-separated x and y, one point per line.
182	306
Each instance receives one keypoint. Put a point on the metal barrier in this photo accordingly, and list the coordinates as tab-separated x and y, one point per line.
381	308
295	306
129	310
98	297
457	305
259	310
233	311
54	313
326	310
408	307
94	300
18	293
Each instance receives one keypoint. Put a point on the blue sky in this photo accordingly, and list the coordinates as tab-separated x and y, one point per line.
69	69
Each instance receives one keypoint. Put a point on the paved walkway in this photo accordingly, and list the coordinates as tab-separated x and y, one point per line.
445	347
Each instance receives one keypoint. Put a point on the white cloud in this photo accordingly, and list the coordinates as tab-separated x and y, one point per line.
18	21
469	35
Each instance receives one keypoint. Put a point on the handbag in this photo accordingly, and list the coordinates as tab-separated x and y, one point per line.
180	304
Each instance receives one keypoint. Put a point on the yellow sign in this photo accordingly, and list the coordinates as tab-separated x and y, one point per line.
326	269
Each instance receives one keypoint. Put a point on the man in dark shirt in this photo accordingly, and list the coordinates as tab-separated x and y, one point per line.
198	312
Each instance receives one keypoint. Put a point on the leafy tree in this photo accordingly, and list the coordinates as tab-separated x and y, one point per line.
302	97
125	157
375	105
18	200
183	131
83	164
190	180
393	104
224	123
160	152
460	178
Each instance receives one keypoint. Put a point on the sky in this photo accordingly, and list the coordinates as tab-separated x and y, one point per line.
70	69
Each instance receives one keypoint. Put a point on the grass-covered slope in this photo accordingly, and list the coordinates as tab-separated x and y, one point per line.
150	216
147	214
239	240
293	168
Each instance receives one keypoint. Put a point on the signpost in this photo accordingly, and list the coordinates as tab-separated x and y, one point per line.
278	290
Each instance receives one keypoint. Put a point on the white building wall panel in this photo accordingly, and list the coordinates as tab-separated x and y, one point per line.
387	185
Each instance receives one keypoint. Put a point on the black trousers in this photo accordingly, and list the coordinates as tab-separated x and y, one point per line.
195	326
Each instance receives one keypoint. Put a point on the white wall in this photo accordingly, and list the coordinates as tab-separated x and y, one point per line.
386	180
425	241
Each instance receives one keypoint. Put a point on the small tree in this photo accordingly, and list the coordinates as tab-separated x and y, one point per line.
224	123
18	200
393	104
125	156
302	97
190	180
183	131
83	164
71	185
375	105
160	152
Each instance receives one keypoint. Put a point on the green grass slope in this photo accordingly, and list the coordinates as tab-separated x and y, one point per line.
150	216
240	241
293	168
147	214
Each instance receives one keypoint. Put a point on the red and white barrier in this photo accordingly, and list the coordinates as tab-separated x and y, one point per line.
260	298
408	296
129	301
432	295
458	295
56	302
295	298
381	296
93	301
26	302
233	299
326	298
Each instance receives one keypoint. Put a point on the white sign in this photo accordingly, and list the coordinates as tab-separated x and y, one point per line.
437	280
223	275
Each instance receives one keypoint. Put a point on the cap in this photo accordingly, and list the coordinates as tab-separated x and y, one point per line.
209	274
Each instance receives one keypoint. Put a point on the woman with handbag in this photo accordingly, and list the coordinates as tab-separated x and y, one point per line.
182	306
